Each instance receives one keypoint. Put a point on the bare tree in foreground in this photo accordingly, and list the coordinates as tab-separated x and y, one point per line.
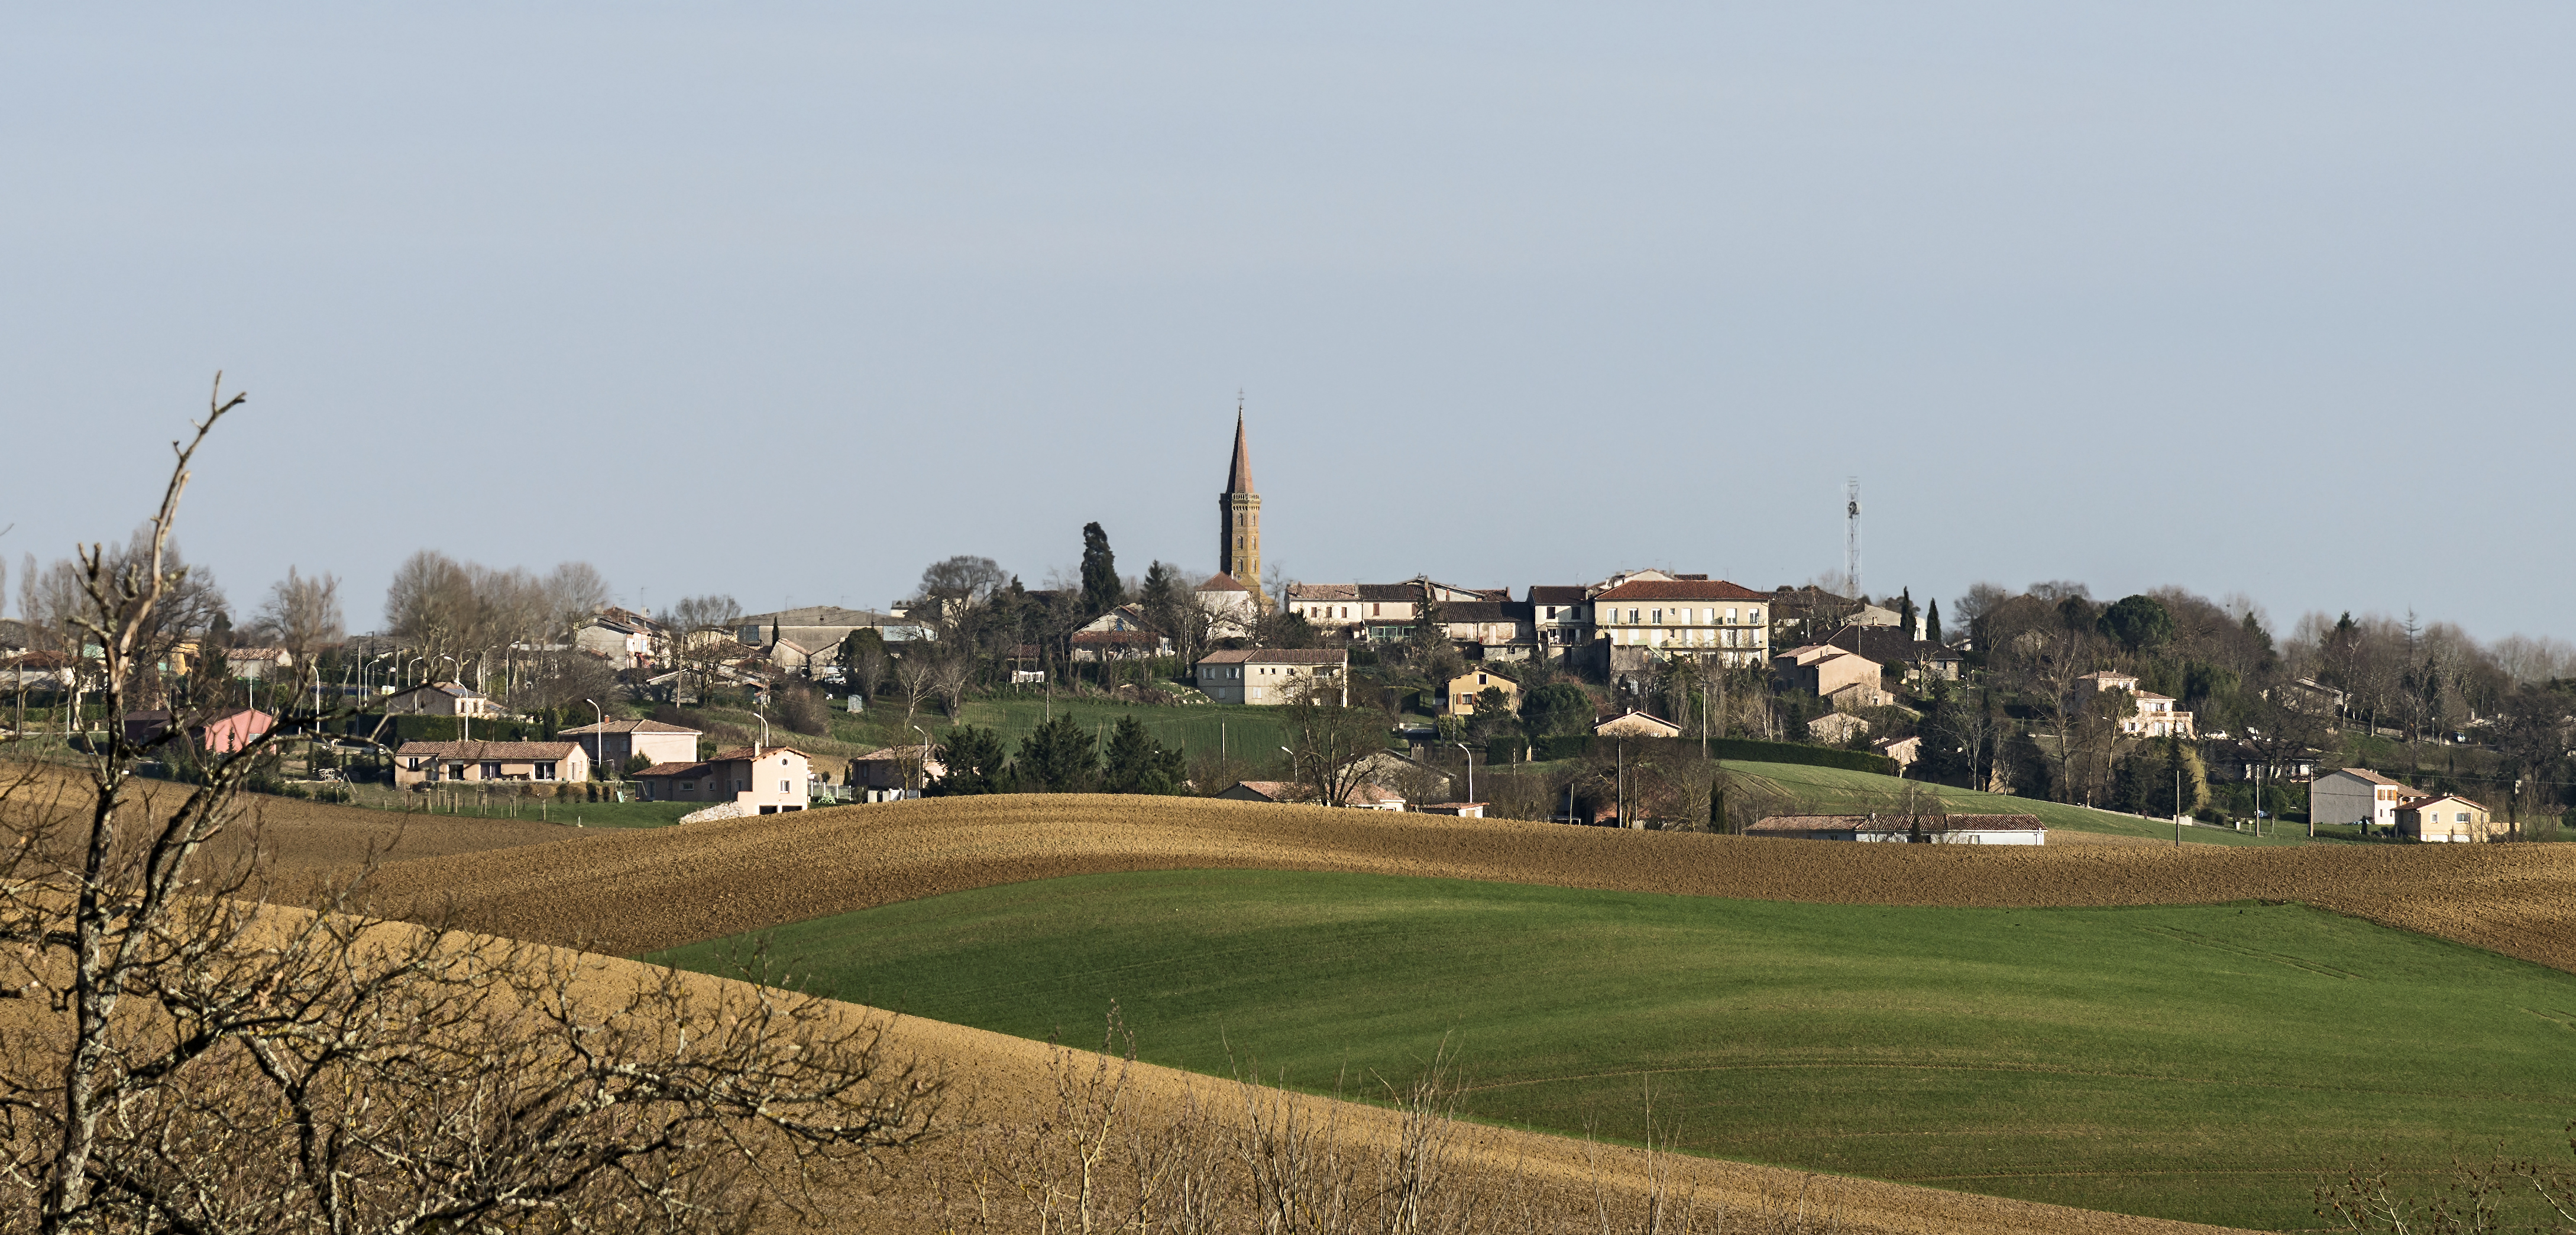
176	1056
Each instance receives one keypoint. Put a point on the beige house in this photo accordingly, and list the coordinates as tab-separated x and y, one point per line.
1903	750
259	664
1269	677
2448	818
613	744
443	699
1849	679
1635	724
1460	697
419	763
1836	727
2357	795
768	780
2155	715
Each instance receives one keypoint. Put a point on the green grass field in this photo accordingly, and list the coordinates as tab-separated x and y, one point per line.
2199	1063
1835	791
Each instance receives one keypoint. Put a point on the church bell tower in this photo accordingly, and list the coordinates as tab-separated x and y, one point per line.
1238	546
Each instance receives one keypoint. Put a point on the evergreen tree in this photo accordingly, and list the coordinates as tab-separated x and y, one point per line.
1905	610
1139	764
1558	709
1160	598
972	758
1932	621
1059	756
1101	591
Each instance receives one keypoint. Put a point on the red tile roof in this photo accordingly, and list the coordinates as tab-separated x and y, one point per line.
1276	656
1682	589
1222	582
489	750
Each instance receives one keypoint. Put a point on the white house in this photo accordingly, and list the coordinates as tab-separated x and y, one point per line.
2448	818
764	780
443	699
1270	676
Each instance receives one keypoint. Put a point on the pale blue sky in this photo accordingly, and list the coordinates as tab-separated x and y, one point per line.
788	301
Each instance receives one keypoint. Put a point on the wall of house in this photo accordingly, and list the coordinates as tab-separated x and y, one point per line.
2338	798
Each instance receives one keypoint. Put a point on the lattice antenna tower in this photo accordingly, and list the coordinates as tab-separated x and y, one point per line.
1851	536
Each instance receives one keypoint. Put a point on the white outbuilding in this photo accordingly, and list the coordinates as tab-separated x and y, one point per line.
1903	829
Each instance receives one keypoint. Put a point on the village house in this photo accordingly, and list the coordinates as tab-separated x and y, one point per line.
2357	795
1902	829
1849	680
624	641
819	629
616	743
1650	616
1268	677
1635	724
1229	605
430	763
1837	728
1889	645
769	780
1560	618
2448	818
1799	612
1459	699
259	664
2153	716
893	771
443	699
1904	751
218	734
1289	792
1119	634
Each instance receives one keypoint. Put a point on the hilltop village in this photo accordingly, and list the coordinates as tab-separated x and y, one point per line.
1614	701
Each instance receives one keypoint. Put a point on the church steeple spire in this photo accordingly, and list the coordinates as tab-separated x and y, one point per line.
1238	534
1239	480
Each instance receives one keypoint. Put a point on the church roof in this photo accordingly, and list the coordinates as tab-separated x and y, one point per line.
1223	582
1239	479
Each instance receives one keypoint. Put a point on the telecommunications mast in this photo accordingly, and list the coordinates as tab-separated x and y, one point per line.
1851	536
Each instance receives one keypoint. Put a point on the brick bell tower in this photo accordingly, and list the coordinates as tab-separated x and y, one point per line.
1238	545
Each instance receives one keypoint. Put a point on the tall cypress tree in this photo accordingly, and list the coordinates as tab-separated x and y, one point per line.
1100	589
1932	621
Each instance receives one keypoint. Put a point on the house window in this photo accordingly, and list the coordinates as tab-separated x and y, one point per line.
1658	616
1632	617
1753	615
782	786
1376	610
455	771
491	771
688	786
545	771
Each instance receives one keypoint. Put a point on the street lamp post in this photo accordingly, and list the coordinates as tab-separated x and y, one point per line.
1470	756
920	765
599	737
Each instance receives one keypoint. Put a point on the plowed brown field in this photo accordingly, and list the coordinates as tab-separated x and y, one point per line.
625	892
293	836
632	892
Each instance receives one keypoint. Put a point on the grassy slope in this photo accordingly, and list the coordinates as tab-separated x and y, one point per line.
2200	1063
1833	790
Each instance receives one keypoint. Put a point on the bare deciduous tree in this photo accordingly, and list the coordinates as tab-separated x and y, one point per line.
302	614
193	1060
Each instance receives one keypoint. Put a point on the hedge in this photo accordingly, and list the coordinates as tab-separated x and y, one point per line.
1745	750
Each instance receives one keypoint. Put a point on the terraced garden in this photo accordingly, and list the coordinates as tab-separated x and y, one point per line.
2202	1063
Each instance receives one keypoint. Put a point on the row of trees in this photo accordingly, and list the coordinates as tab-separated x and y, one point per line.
1059	756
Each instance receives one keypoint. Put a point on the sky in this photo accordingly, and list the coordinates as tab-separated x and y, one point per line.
786	302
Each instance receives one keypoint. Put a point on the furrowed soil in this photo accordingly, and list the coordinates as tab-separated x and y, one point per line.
627	892
631	892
